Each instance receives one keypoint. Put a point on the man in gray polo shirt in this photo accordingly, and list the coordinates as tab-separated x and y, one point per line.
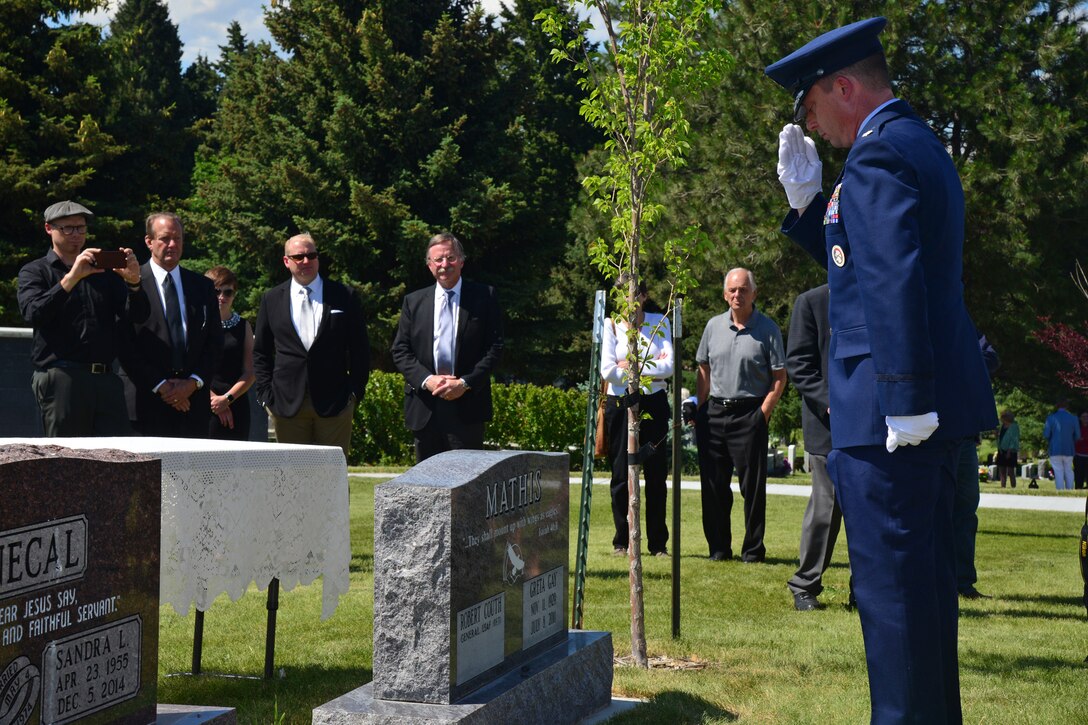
741	377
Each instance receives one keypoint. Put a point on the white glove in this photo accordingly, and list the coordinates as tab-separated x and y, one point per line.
909	430
799	167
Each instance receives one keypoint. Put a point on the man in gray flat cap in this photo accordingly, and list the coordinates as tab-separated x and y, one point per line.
81	305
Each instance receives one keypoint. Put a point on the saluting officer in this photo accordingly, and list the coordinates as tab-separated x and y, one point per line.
906	377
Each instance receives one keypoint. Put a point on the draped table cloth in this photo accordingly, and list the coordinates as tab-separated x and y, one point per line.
239	512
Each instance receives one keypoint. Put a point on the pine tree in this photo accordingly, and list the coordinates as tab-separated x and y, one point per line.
52	118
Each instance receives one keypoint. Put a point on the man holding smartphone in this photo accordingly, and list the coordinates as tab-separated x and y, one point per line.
81	310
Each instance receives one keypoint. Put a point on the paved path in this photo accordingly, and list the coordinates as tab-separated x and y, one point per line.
1032	502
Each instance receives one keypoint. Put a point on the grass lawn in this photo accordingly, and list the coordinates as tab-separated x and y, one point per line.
1022	652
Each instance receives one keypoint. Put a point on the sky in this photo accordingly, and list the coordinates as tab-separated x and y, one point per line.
202	24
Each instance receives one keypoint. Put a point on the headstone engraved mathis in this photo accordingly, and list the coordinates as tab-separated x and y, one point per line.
470	598
79	585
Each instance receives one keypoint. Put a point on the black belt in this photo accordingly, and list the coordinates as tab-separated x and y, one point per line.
737	404
96	368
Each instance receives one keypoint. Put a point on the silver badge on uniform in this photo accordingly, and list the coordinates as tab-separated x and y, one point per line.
838	256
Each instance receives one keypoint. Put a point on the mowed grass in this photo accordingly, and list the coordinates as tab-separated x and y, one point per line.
755	659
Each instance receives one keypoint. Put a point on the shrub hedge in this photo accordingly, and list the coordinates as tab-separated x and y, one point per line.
526	416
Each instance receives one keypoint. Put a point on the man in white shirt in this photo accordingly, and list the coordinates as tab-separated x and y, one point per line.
175	351
311	352
448	342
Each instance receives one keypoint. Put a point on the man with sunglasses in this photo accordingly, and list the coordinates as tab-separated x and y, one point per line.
448	342
81	314
906	377
311	352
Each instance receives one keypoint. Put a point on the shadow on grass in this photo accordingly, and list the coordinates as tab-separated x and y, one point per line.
999	666
1023	613
674	708
361	562
295	695
1026	534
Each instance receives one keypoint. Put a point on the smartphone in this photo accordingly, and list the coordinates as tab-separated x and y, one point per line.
110	259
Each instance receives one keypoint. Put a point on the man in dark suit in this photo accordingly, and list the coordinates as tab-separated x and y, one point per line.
311	353
907	380
806	363
448	342
174	352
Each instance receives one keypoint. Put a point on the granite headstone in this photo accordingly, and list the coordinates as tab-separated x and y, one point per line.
470	598
79	585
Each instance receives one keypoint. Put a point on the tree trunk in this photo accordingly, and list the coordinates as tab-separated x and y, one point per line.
634	544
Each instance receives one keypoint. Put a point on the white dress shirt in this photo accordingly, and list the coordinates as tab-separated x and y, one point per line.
654	347
455	305
317	303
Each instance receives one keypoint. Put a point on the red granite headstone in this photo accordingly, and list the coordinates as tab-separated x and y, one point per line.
79	585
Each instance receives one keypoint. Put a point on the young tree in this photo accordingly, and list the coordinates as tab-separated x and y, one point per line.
636	88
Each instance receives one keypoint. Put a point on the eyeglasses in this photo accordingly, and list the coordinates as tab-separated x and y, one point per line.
224	291
448	259
69	231
311	256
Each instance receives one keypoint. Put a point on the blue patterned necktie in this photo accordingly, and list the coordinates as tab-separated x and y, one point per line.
444	359
173	320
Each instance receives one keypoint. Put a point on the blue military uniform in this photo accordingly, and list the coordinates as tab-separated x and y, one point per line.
902	344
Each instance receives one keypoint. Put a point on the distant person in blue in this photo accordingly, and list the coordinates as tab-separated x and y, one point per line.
1061	432
906	377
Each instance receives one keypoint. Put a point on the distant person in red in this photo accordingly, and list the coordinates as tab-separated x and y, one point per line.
1080	454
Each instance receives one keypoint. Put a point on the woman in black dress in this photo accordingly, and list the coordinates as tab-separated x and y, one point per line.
234	374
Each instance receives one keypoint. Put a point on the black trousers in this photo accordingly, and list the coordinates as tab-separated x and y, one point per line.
1080	471
733	439
445	431
76	402
654	469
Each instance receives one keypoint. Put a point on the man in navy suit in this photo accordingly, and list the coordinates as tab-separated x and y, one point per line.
175	350
447	345
311	352
905	373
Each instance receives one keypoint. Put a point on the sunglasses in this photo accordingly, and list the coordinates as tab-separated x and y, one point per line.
224	291
311	256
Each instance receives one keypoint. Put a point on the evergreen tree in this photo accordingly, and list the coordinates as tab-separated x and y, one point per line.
149	110
385	123
52	113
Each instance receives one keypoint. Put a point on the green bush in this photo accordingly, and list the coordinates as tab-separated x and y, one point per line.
527	417
378	435
537	418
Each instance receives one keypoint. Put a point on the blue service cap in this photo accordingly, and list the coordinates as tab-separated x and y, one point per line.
832	51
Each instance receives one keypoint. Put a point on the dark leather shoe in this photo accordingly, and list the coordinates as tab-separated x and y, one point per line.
721	556
805	602
972	593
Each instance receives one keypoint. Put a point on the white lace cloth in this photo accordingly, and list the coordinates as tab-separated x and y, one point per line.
238	512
